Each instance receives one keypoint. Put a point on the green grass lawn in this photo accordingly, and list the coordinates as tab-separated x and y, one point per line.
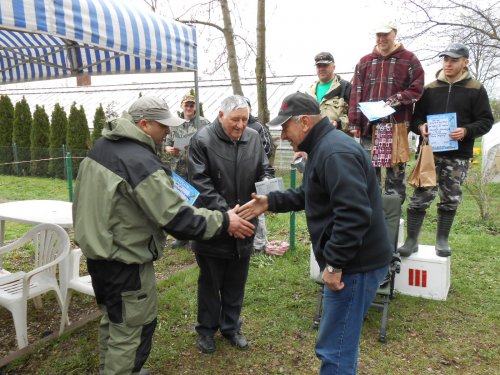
456	336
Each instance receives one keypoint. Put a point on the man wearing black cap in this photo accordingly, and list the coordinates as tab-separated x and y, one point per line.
331	91
346	224
454	91
124	204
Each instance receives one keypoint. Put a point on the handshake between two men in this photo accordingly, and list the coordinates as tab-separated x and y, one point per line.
239	226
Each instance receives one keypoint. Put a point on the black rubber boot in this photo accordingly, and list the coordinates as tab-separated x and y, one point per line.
414	220
179	243
445	221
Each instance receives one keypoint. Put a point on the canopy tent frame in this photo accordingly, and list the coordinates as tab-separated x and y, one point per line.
50	39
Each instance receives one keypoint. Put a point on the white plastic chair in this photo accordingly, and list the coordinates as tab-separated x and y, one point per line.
51	245
71	280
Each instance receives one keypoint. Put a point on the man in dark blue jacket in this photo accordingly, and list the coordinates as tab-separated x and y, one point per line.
343	206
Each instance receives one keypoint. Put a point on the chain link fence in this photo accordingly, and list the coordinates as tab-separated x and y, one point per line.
39	162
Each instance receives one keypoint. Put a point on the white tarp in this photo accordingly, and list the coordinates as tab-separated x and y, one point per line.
491	154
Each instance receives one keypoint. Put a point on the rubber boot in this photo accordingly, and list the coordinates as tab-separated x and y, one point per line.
414	220
445	220
179	243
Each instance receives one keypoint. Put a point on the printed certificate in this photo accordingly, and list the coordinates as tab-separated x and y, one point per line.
439	127
185	189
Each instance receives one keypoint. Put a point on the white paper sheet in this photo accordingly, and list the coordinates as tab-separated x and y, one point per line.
376	110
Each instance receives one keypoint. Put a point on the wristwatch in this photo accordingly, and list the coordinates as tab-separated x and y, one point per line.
332	269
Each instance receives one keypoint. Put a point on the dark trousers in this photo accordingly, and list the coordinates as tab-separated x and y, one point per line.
221	288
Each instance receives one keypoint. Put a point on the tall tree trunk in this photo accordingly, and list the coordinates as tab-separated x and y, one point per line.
231	49
260	64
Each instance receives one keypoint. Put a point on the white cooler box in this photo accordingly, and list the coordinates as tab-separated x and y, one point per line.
314	267
424	274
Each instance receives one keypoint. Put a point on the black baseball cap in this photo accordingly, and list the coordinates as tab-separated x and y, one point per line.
456	50
324	58
295	105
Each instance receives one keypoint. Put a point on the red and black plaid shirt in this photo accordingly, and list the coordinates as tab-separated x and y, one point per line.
398	76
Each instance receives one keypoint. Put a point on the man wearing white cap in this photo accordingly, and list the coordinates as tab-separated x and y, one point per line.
124	204
394	75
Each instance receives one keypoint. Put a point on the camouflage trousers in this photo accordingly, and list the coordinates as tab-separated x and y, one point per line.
450	175
178	164
394	183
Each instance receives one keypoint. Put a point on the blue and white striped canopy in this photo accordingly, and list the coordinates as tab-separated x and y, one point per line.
45	39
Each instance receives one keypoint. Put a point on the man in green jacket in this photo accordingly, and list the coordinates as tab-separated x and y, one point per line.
124	205
176	157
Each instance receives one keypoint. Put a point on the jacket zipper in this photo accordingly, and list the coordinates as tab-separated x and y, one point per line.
236	146
235	172
448	97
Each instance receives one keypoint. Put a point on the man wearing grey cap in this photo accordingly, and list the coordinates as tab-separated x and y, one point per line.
392	74
343	206
124	205
454	91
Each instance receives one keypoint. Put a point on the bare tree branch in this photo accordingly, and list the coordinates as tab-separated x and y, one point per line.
443	21
206	23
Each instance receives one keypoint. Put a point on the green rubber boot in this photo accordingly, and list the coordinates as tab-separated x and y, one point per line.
414	220
445	221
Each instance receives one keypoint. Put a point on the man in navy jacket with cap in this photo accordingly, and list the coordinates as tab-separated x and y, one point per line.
343	206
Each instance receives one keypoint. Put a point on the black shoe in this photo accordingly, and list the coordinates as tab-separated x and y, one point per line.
179	243
206	343
237	340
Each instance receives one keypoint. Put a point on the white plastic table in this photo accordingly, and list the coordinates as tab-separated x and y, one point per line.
35	212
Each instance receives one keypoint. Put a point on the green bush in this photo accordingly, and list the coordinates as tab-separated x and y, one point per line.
6	125
40	142
99	121
21	134
58	131
78	136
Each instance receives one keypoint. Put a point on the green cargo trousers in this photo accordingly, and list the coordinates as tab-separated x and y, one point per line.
126	295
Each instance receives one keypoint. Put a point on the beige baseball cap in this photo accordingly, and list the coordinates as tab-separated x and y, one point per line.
386	27
155	109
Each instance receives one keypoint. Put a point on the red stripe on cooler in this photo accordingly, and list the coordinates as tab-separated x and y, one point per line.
424	279
410	276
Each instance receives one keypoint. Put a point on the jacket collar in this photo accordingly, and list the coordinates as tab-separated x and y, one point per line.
124	127
317	132
377	54
441	77
221	134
